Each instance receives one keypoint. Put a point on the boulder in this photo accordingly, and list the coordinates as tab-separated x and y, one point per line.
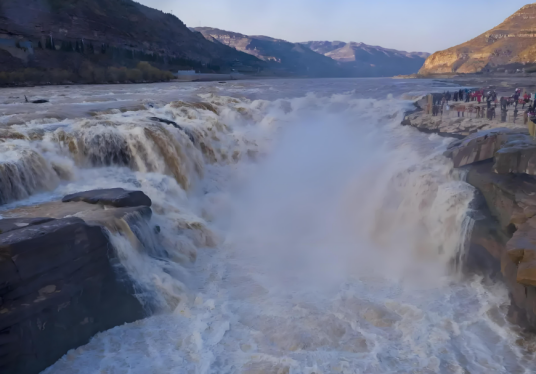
60	284
512	150
480	146
516	155
116	197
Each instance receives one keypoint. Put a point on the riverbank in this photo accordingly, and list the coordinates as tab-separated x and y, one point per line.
499	159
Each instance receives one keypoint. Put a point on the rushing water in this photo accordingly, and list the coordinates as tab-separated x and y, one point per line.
303	230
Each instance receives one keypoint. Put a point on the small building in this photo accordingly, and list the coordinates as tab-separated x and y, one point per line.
186	72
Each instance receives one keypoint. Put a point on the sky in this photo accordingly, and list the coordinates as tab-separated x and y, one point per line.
410	25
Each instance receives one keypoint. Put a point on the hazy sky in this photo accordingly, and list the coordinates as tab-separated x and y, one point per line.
412	25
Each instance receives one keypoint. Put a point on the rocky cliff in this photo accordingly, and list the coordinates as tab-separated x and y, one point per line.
509	45
370	60
63	34
500	162
281	56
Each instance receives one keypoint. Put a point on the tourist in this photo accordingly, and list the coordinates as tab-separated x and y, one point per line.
461	110
531	125
504	103
526	99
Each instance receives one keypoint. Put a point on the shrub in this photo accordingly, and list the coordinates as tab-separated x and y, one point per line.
134	75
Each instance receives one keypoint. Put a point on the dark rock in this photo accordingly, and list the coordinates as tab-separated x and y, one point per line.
176	125
10	224
117	197
166	121
59	287
40	101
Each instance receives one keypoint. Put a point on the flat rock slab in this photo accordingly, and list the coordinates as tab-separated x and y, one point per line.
10	224
116	197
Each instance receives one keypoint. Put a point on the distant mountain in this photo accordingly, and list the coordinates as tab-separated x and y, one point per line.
44	33
319	58
511	44
282	57
380	61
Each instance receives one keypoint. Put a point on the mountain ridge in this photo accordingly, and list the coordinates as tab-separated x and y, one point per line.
282	57
510	44
382	61
352	59
39	33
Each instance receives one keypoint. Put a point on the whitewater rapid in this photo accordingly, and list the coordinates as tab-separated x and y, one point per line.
302	229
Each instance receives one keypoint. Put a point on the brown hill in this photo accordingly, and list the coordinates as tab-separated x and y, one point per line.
512	43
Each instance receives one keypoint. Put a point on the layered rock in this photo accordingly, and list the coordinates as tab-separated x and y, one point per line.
502	242
501	164
60	279
510	44
450	125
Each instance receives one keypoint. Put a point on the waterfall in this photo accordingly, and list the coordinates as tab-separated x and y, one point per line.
292	232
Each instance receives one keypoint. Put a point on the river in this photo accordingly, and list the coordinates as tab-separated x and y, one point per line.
302	229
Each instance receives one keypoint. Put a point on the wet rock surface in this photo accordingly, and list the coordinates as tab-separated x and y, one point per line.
60	279
10	224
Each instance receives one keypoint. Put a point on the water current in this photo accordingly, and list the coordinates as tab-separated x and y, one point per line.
302	228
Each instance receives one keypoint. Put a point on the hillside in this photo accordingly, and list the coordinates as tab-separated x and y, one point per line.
509	45
282	57
377	61
64	34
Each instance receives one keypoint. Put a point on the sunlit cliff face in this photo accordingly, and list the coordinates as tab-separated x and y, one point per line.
513	41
